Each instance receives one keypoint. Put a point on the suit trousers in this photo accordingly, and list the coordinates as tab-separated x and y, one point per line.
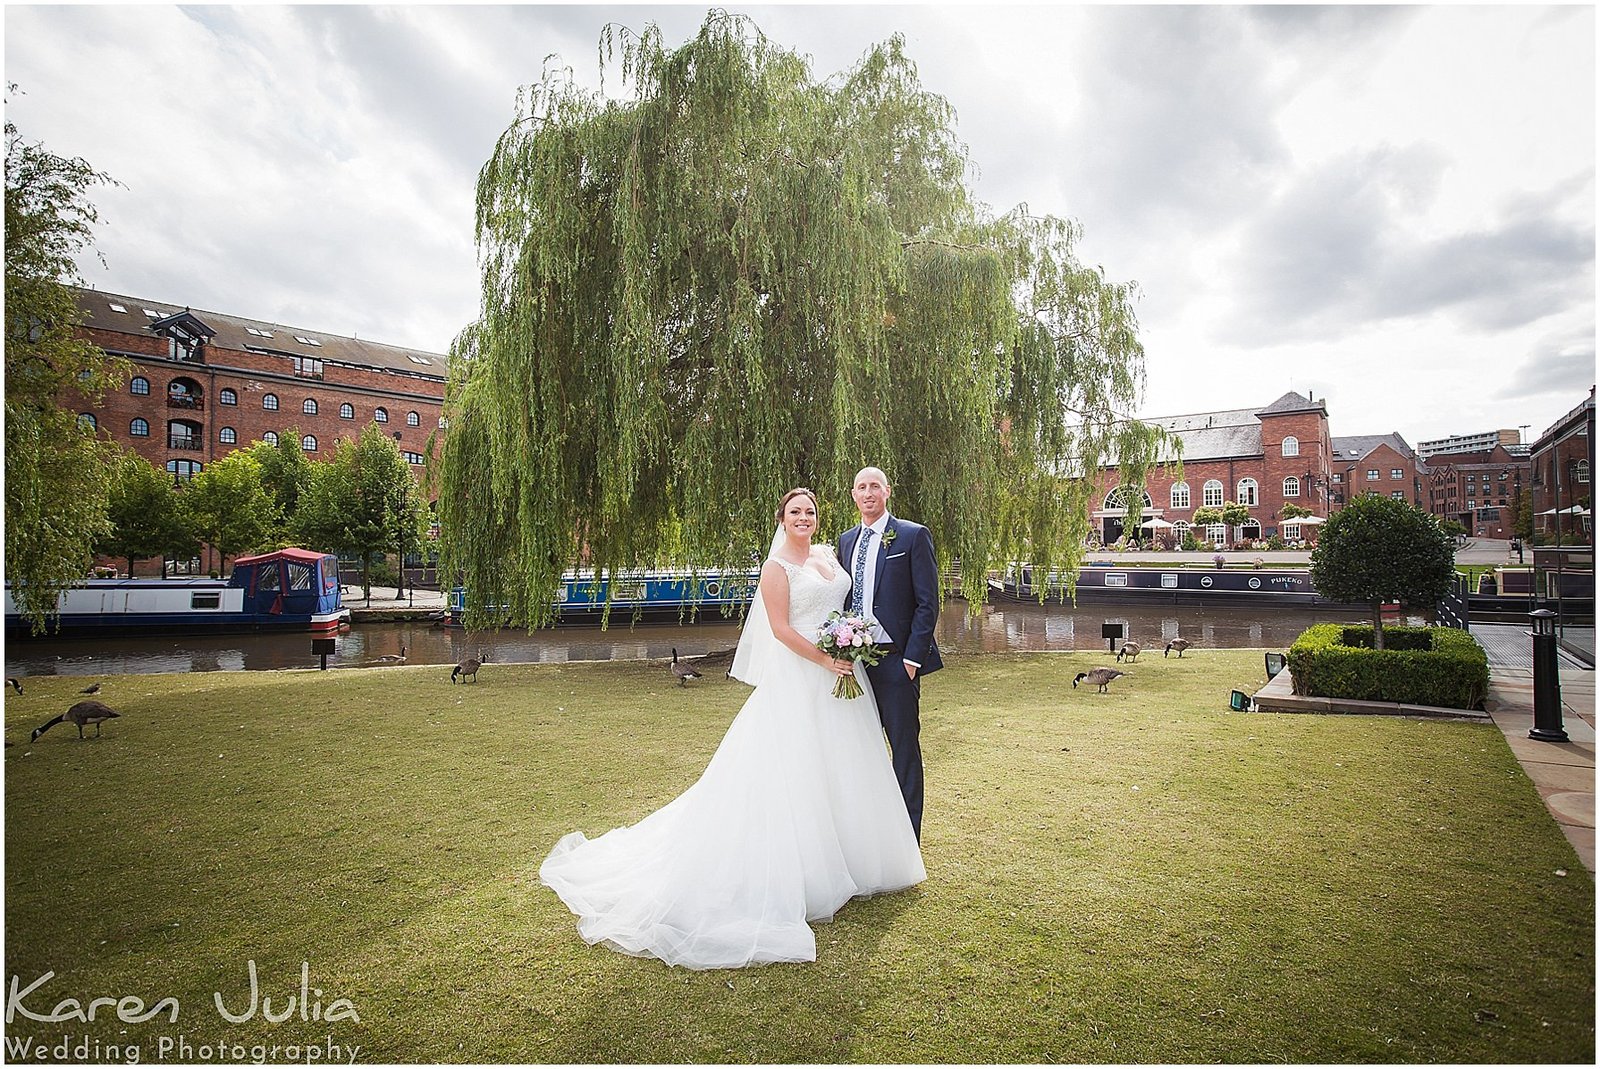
899	711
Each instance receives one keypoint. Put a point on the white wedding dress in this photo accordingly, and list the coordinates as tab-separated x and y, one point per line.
797	813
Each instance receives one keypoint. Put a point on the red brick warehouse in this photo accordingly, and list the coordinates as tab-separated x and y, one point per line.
205	383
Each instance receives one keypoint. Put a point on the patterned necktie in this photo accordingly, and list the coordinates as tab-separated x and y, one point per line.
858	588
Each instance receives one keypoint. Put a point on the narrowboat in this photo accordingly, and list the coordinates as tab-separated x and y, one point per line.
286	590
652	595
1172	586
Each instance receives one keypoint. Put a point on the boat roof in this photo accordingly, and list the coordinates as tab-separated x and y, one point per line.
292	553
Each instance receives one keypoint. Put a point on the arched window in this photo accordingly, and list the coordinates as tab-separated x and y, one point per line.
183	393
309	443
413	420
1211	494
1180	495
227	436
1117	499
139	428
184	470
347	411
1580	472
183	434
310	406
269	401
139	385
225	396
1180	529
86	421
381	415
1291	486
1217	534
1248	493
1291	446
271	437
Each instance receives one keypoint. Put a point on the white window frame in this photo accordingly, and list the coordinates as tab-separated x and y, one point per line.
1179	495
1212	489
1291	446
1249	492
1291	486
1217	534
1291	532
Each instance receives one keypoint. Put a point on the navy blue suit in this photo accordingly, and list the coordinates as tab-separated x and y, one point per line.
905	601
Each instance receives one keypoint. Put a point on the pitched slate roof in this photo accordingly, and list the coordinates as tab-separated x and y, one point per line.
1356	446
238	333
1291	402
1207	435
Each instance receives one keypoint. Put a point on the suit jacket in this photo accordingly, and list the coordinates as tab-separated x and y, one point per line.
905	592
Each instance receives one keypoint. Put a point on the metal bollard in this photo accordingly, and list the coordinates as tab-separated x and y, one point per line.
1546	680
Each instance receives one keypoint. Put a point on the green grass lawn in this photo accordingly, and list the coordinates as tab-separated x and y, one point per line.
1140	876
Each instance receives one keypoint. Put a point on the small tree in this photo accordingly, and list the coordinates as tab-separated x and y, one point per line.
1291	511
1378	549
1207	515
147	517
228	506
1522	504
362	503
285	473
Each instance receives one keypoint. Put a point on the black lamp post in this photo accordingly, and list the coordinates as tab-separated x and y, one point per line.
1546	680
400	537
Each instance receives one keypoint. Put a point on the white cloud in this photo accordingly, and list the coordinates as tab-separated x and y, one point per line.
1309	197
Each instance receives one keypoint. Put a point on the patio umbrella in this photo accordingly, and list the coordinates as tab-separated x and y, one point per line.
1157	522
1575	510
1549	512
1313	520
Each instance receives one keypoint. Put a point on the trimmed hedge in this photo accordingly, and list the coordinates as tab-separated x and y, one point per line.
1438	666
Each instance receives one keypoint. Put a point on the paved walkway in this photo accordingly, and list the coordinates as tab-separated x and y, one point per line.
1562	772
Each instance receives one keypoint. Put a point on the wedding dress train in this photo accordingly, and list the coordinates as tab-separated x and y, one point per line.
797	812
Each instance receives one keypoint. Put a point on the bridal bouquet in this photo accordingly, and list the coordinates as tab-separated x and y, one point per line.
848	638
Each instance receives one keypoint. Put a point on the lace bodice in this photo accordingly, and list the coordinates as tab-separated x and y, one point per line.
811	597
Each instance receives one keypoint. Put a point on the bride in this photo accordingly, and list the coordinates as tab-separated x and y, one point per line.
797	812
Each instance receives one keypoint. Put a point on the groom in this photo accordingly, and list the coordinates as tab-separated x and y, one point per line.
895	582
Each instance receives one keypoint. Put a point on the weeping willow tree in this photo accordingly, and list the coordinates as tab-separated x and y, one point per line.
736	279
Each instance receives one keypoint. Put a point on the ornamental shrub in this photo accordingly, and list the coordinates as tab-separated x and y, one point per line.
1438	666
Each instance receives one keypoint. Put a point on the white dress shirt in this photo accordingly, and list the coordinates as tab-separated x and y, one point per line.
869	579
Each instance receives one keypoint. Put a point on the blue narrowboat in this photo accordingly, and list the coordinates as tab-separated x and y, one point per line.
286	590
653	595
1175	586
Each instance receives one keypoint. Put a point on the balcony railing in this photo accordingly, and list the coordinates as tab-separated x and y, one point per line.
185	400
184	443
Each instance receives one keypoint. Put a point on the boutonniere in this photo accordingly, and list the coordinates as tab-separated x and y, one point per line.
889	536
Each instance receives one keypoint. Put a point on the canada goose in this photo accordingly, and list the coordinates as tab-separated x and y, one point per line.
390	658
1178	644
93	688
468	667
1130	651
681	670
14	683
1099	677
83	713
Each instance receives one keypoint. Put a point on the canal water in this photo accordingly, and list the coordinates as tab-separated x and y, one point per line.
1003	627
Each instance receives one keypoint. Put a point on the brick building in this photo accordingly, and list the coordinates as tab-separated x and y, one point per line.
1259	458
205	383
1375	463
1561	462
1481	489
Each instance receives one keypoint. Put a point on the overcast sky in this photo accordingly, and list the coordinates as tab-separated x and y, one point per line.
1392	208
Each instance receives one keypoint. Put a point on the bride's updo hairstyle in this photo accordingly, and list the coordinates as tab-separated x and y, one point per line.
798	491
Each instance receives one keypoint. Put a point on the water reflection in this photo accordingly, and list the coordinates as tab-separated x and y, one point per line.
998	628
